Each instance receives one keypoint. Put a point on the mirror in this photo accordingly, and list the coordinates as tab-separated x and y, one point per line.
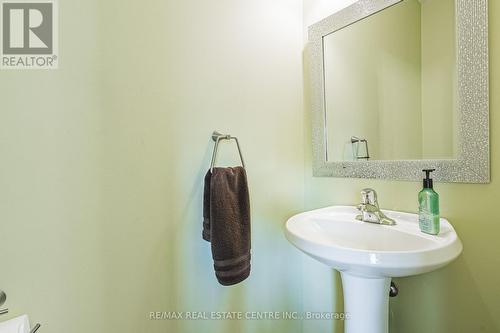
392	83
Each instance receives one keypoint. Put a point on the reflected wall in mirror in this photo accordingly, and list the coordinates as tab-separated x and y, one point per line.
398	86
390	80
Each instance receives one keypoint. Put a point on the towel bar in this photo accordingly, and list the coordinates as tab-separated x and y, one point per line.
217	137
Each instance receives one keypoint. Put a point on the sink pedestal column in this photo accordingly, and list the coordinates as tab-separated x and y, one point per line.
366	301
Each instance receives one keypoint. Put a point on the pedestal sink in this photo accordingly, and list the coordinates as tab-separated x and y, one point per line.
369	255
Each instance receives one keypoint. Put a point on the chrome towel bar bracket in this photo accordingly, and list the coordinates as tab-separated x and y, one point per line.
217	137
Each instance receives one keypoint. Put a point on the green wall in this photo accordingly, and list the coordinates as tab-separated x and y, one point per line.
102	164
463	297
52	261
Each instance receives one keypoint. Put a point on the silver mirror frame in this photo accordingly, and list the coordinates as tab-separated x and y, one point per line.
472	164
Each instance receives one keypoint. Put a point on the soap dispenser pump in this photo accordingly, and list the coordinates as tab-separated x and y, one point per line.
428	206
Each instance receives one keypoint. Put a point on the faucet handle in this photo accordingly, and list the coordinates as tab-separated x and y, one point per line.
369	196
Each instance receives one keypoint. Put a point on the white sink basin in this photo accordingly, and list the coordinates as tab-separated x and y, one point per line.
333	236
368	255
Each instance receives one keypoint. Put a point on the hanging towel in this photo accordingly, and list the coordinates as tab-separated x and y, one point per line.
226	223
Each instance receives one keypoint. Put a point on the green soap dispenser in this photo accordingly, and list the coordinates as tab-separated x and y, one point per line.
428	206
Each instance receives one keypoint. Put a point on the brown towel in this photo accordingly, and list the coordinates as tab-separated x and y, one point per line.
226	223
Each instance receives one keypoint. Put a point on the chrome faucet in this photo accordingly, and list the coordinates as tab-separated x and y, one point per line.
370	211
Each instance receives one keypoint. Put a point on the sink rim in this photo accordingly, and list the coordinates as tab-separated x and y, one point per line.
376	263
390	213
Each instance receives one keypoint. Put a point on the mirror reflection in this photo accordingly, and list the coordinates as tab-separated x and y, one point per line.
390	85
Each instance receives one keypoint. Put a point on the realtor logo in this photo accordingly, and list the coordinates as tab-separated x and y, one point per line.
29	34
